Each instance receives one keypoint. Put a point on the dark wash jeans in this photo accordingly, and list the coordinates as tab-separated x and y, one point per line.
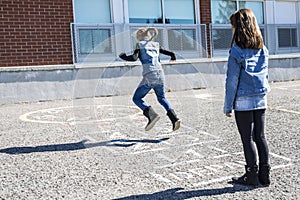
251	126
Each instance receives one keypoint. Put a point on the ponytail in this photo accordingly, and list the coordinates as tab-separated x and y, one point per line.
152	32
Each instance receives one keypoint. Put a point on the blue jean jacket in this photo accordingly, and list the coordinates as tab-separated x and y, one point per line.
246	80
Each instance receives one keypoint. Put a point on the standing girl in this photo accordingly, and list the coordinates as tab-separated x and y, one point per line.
153	76
246	94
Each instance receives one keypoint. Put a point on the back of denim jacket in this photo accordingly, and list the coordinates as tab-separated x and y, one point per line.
149	56
254	76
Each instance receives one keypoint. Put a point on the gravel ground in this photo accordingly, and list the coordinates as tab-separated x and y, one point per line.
97	149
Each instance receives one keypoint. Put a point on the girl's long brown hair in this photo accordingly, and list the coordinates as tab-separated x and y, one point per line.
246	30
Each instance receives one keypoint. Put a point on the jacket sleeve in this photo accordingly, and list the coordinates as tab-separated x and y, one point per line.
132	57
168	53
232	81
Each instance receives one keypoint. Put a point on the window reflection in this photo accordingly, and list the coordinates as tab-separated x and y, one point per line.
221	11
182	39
94	41
151	11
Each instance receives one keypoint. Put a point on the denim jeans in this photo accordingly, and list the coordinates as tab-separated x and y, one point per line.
155	81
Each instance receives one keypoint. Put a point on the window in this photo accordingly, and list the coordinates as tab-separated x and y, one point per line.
91	36
221	38
256	7
92	11
161	11
94	41
99	24
182	39
221	10
287	24
281	15
287	37
184	15
145	11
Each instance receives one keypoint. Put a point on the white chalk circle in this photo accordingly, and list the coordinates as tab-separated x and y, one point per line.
80	114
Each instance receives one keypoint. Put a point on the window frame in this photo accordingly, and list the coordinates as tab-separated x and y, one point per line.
290	48
196	13
224	51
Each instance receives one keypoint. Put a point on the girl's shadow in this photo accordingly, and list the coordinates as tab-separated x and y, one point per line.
78	146
175	193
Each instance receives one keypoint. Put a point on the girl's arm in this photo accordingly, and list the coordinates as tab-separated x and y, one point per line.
132	57
168	53
231	85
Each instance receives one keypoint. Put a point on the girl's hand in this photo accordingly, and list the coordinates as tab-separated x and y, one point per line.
172	61
228	115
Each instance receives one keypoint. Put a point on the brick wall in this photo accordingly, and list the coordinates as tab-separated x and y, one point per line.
35	32
205	15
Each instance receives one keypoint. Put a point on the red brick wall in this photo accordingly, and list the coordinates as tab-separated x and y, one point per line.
35	32
205	15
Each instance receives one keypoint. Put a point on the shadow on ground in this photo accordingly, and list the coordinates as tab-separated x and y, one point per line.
78	146
176	193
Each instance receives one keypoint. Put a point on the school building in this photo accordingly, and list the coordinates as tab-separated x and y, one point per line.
54	32
60	35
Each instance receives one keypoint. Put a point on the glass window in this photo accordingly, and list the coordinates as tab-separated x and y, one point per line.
145	11
287	37
256	7
285	12
94	41
151	11
221	11
92	11
182	39
221	38
184	15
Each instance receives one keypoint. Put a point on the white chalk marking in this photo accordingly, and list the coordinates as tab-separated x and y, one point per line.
281	166
217	149
198	171
217	180
232	165
282	157
222	156
161	178
211	135
187	145
193	152
211	168
285	110
25	117
147	151
178	163
185	174
176	177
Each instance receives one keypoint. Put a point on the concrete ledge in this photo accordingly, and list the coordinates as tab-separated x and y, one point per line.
40	83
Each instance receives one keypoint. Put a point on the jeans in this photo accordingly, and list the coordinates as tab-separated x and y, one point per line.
155	81
251	126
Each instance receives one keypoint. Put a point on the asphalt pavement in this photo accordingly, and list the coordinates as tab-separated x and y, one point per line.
96	148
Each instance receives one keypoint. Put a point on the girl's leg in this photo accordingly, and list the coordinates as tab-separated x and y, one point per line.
160	94
245	121
139	94
259	137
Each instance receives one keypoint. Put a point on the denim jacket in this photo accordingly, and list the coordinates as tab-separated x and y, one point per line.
148	53
149	56
247	79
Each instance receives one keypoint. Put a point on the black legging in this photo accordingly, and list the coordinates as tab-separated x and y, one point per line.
251	126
